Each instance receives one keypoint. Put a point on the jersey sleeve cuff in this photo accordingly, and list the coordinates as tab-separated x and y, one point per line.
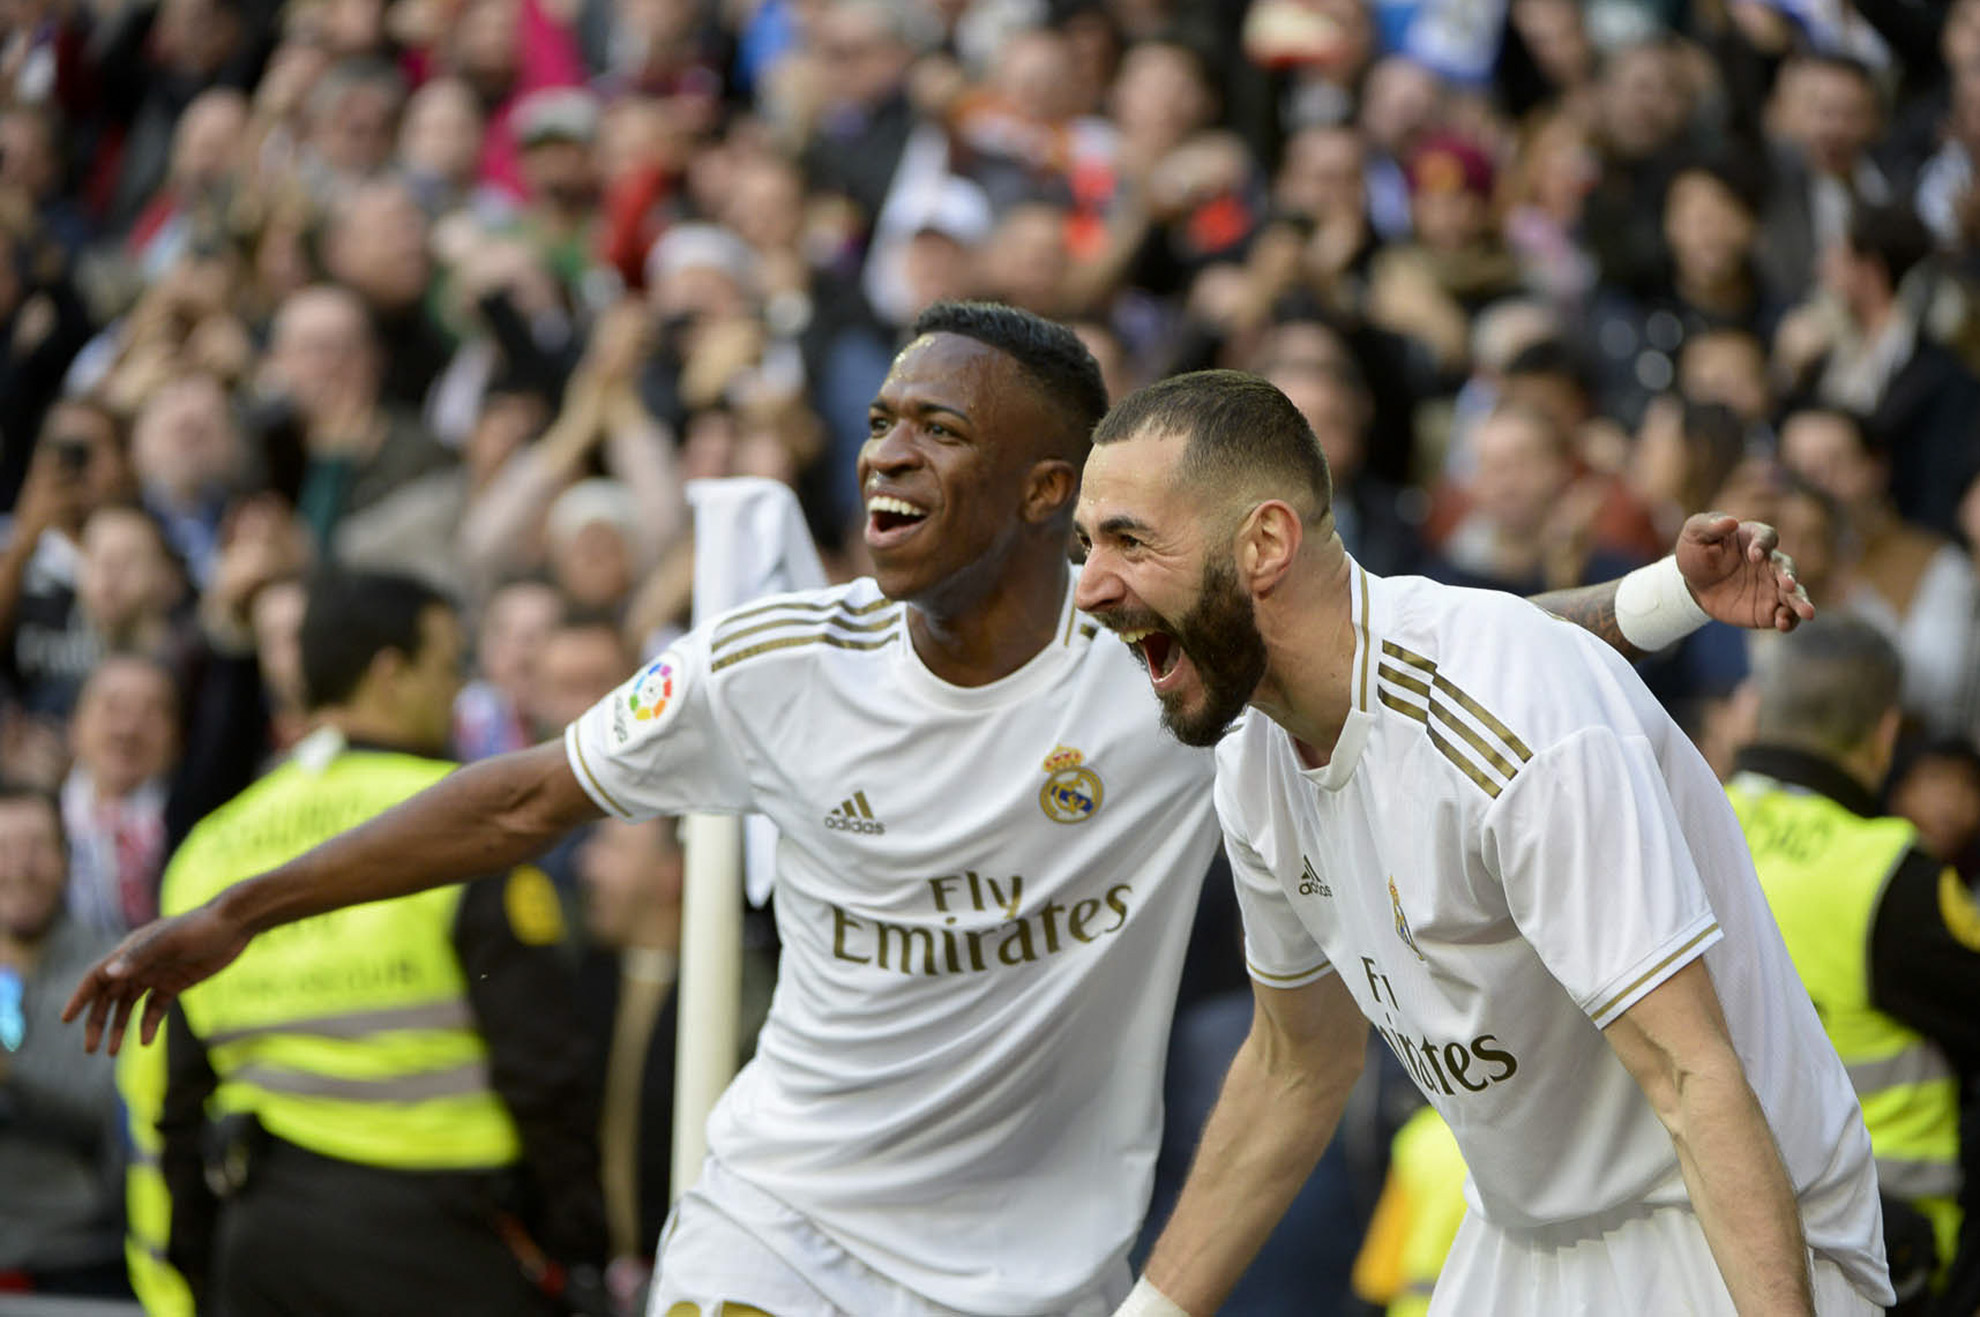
1607	1004
581	768
1281	979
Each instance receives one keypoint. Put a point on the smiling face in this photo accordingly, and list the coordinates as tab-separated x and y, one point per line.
1162	577
950	449
125	731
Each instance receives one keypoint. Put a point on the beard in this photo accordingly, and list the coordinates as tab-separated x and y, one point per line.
1220	636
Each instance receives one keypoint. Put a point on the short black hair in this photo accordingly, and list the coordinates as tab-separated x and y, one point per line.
1837	62
1239	428
1735	173
1869	437
1945	749
1714	441
1553	358
1892	235
1051	354
349	620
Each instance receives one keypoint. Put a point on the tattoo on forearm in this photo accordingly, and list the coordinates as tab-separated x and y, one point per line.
1592	608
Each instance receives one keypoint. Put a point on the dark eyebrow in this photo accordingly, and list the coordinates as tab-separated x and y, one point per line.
1121	523
921	407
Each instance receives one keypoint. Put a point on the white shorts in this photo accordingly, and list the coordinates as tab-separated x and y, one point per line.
781	1264
1654	1261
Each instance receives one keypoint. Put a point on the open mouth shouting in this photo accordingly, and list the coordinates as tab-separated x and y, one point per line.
1160	652
891	520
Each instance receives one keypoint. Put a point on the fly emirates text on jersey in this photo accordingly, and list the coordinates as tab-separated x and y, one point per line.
952	947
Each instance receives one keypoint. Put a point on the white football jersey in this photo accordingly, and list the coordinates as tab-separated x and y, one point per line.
1510	845
984	896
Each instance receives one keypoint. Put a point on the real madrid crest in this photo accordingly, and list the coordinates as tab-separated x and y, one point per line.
1072	791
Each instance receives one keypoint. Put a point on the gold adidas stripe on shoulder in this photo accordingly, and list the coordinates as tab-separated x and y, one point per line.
1431	710
748	652
799	610
1438	710
1446	687
878	624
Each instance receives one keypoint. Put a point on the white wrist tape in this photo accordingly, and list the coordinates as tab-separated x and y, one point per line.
1147	1301
1654	607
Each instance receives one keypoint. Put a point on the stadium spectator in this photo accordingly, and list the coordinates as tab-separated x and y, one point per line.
126	742
128	585
190	459
1824	120
375	243
80	465
1937	788
1915	586
489	715
1729	367
375	486
1378	523
1878	360
1530	521
631	883
1643	121
61	1153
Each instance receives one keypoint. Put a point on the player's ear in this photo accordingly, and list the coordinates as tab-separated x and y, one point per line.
1049	490
382	675
1268	541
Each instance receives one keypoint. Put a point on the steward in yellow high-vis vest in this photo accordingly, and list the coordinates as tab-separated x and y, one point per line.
1416	1219
1885	937
391	1100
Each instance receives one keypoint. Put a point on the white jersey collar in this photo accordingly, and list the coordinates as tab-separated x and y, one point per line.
1339	768
1039	672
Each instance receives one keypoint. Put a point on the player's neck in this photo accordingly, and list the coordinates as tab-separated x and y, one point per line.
973	638
363	725
1310	653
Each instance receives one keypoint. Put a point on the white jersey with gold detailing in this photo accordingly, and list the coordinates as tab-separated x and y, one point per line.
984	896
1511	845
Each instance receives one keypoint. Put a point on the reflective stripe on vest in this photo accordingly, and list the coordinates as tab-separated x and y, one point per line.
1920	1063
458	1081
1917	1179
147	1203
452	1014
1824	869
347	1033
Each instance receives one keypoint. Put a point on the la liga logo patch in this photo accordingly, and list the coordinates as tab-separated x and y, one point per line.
654	690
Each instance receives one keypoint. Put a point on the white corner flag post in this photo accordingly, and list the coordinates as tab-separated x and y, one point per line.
749	540
710	987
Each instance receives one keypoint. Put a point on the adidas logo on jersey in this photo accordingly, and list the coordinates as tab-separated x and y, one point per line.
1310	882
855	815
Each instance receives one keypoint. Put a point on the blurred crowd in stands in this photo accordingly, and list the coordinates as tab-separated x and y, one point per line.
469	289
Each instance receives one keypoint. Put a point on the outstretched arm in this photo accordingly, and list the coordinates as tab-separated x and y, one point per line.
1732	571
486	818
1276	1114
